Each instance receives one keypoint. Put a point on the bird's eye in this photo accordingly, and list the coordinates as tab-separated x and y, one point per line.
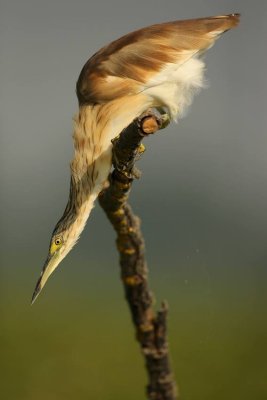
56	244
58	241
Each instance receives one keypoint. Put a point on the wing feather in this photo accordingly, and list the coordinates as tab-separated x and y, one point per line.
125	65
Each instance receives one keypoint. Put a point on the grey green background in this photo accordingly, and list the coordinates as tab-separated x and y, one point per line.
202	199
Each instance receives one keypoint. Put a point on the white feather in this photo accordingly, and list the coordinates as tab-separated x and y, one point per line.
175	85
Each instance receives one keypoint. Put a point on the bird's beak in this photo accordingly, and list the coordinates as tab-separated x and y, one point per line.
49	266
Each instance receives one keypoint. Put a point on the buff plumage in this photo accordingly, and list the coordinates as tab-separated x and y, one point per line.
157	66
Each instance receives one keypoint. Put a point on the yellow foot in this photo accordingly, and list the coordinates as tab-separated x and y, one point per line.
165	120
141	148
165	117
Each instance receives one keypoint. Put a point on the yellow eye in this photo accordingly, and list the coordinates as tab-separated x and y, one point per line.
56	244
58	241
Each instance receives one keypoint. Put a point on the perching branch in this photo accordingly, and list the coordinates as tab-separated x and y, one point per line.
151	328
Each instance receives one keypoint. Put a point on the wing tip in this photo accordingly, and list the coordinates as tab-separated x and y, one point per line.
233	19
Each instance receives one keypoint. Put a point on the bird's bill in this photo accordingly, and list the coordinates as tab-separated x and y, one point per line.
50	265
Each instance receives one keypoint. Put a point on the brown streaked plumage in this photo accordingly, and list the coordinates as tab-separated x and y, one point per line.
153	67
135	57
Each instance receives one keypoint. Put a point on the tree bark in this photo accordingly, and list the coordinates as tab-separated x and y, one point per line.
151	327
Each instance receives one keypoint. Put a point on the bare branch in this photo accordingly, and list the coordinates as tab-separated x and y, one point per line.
151	328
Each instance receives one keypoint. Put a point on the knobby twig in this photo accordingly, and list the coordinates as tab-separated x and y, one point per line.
151	328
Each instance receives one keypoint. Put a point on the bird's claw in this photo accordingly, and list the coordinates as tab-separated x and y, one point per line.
165	118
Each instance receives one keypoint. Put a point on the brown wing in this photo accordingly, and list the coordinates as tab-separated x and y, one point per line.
125	65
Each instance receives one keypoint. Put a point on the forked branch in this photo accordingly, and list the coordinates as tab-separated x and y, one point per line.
151	327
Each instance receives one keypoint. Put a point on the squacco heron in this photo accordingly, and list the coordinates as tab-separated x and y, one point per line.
157	66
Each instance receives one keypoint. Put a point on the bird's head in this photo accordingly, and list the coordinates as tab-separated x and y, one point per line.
58	249
64	237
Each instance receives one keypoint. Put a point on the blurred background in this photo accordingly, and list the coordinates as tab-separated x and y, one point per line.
202	199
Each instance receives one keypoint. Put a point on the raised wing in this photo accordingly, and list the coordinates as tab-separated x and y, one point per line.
127	64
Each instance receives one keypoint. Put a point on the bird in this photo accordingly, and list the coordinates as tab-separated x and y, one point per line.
159	66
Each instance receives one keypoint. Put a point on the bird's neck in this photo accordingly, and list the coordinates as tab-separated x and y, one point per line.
89	170
94	128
